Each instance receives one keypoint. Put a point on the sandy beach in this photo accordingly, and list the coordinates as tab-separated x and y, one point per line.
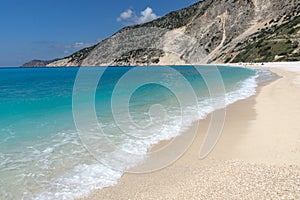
257	156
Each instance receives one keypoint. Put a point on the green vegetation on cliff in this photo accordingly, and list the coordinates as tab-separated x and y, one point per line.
209	31
277	43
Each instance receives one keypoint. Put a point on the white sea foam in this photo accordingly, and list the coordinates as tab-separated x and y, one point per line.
85	174
108	171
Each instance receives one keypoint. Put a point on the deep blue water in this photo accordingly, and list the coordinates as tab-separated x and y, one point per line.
46	121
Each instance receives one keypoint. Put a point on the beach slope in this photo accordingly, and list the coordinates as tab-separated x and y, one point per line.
257	156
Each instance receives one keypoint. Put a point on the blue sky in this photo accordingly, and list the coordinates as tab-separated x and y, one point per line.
46	29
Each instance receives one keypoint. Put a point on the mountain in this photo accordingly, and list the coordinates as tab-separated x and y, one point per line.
210	31
38	63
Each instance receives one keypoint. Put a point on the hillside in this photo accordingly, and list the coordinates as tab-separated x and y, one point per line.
38	63
210	31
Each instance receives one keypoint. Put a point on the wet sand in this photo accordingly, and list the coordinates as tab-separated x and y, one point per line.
256	157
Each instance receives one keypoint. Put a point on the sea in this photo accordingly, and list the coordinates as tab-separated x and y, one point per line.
65	132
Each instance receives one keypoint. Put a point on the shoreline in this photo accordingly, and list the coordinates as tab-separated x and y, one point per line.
246	143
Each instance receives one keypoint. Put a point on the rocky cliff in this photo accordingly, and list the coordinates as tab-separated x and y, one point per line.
38	63
210	31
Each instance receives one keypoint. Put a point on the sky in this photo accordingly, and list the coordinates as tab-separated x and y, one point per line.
47	29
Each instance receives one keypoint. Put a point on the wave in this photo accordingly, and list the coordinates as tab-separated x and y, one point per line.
86	174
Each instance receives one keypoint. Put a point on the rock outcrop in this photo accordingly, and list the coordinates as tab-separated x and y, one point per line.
38	63
210	31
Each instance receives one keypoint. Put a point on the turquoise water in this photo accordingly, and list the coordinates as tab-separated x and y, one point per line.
43	152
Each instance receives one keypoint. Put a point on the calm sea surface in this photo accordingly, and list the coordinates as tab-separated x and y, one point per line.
48	132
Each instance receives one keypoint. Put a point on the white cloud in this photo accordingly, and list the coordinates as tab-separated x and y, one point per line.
129	17
147	15
63	49
125	15
70	48
80	45
76	45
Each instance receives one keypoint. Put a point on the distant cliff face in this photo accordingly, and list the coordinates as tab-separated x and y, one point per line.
38	63
210	31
